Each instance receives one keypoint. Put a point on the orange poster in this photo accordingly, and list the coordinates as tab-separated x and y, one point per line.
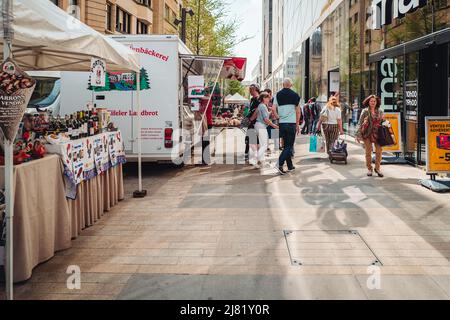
394	119
438	144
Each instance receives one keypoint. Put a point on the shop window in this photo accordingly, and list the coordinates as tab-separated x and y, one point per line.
368	37
141	27
147	3
123	21
108	16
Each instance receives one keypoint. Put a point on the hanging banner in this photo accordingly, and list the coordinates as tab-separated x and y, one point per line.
234	69
394	119
98	72
438	144
16	88
196	87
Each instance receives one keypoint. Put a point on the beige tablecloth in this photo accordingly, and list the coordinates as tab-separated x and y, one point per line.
45	221
41	214
94	198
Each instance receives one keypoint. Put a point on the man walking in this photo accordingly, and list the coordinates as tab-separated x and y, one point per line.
307	117
287	103
316	109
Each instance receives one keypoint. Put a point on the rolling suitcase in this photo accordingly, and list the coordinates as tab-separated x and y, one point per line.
339	152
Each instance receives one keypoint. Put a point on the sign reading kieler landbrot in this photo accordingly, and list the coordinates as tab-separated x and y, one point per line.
438	144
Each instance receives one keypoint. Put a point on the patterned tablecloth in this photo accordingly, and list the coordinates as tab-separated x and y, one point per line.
88	157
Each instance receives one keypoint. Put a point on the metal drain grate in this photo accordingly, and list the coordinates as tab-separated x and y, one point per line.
329	248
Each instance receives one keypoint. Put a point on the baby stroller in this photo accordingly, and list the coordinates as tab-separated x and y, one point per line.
339	152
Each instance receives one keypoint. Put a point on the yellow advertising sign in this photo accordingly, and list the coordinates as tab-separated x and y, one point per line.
396	128
438	144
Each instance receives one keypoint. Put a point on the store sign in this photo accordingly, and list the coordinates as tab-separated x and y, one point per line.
98	72
16	88
387	73
438	144
384	11
394	119
335	82
196	87
411	101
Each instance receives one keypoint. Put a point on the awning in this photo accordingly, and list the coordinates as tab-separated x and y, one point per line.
47	38
236	99
436	38
233	68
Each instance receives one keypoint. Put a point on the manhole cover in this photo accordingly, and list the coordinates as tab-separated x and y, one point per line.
329	248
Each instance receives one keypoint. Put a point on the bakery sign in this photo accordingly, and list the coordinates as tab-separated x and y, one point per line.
98	72
384	11
16	88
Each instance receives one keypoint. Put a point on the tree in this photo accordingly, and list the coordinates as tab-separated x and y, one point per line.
145	83
234	87
209	32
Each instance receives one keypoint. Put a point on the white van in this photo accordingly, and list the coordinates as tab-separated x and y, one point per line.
166	64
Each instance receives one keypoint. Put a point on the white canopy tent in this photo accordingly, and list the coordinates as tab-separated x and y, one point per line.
40	36
236	99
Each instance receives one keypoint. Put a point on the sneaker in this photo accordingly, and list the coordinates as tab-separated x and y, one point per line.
291	170
281	171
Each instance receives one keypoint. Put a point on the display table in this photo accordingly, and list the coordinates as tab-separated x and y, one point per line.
45	218
42	219
95	197
93	176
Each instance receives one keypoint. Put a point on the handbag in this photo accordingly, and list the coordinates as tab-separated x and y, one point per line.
245	123
384	137
367	126
313	143
324	115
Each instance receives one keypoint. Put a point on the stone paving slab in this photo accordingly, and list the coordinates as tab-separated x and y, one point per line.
242	288
220	228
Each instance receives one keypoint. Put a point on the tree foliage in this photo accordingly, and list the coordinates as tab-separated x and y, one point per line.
234	87
209	31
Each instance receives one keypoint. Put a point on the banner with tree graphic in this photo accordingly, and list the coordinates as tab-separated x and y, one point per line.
120	81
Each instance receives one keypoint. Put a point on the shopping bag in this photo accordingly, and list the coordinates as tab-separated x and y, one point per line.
313	143
320	144
385	138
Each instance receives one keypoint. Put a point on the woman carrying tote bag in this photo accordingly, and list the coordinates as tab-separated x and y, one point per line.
331	122
369	124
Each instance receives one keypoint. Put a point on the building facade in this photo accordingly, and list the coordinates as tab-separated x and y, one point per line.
164	14
257	73
125	16
348	47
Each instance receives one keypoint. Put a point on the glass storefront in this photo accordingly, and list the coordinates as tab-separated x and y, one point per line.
343	53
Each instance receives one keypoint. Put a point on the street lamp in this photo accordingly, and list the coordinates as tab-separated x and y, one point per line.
184	13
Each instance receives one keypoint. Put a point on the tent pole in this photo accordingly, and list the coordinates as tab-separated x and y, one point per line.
9	201
140	193
210	97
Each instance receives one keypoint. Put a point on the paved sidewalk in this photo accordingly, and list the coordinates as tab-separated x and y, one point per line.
220	233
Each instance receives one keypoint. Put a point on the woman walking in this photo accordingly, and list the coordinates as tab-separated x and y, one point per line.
262	122
331	122
369	123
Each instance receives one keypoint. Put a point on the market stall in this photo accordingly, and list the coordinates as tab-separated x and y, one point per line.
37	35
231	113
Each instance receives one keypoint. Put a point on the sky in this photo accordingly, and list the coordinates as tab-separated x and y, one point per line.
249	12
